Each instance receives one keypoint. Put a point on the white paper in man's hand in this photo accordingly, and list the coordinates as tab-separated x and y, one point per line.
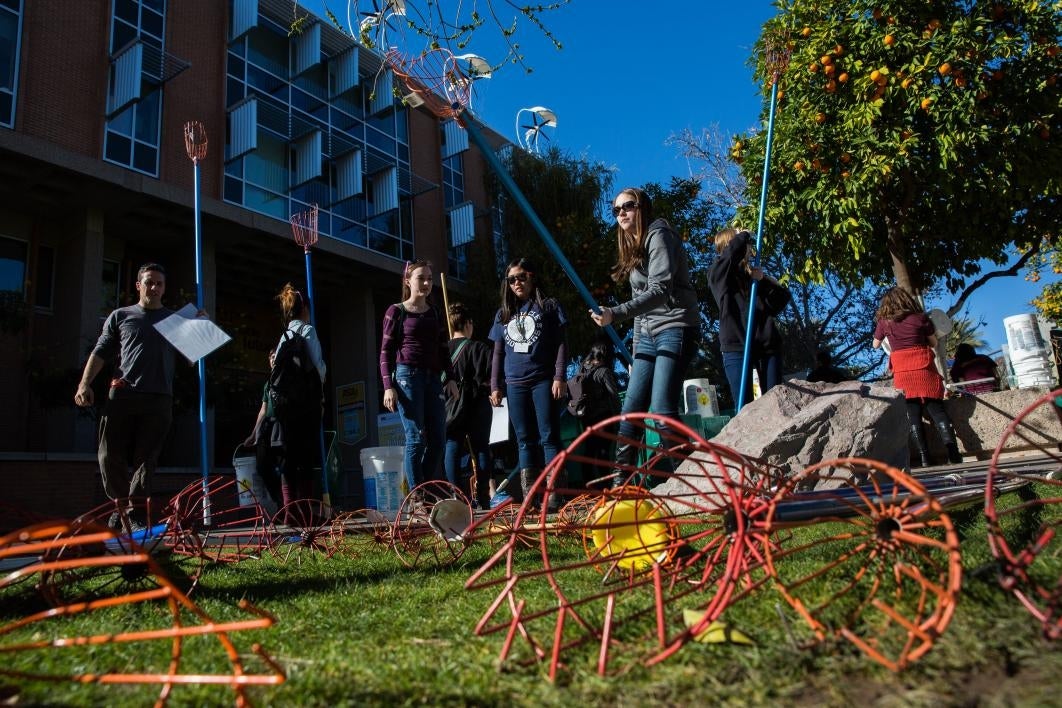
194	337
499	423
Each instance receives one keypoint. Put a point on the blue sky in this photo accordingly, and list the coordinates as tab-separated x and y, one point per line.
631	74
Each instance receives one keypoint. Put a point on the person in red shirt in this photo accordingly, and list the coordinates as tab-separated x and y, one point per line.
911	340
971	366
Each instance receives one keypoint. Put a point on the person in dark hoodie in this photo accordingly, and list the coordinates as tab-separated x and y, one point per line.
663	305
730	279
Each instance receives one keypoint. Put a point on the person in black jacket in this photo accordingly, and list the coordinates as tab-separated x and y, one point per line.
730	279
471	432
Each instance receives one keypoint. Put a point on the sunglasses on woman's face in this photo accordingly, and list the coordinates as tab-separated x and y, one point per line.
626	207
517	278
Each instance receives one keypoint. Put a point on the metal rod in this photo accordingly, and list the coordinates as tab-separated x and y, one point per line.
326	497
756	256
470	123
204	456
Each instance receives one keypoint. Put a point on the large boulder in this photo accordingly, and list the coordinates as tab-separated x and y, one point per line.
798	423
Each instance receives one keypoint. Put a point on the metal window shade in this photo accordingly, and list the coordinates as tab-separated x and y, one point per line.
348	175
127	70
307	48
385	190
307	158
462	225
244	17
344	68
383	92
455	139
243	128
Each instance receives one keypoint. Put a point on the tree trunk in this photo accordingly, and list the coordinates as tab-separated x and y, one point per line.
898	256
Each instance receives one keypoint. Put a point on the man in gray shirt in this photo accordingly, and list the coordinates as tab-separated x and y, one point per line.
140	400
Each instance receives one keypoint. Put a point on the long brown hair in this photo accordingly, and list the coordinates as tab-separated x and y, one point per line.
410	267
292	303
630	245
897	304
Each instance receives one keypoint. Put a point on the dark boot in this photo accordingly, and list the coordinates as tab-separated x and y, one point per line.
527	480
918	440
947	436
626	459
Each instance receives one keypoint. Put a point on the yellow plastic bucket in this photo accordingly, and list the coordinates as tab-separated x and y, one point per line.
635	533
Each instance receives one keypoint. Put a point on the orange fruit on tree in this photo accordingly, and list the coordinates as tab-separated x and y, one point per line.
845	158
906	83
813	67
826	60
876	13
820	118
934	24
838	50
831	86
944	69
829	69
798	166
926	103
875	75
889	40
806	32
843	77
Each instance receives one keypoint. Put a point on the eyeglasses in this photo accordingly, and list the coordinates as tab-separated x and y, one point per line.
517	278
624	207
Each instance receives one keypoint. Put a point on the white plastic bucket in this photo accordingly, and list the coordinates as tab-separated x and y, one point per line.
387	467
248	481
1023	337
700	398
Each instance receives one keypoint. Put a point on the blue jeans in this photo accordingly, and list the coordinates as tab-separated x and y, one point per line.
478	432
536	418
660	362
767	366
423	413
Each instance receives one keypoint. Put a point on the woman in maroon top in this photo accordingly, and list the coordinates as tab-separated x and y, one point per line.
414	361
911	341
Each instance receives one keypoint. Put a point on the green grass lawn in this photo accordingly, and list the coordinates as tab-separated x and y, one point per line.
369	631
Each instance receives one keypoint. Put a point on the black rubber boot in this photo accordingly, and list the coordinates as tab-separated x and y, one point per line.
947	436
626	458
918	440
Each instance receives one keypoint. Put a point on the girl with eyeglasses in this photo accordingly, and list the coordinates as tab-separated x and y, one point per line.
663	305
414	361
531	353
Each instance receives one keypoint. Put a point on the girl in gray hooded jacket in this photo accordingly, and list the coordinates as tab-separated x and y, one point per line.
664	307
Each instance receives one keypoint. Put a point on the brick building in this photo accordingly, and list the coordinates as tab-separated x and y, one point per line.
94	180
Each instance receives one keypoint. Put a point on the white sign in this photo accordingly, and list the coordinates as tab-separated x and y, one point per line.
194	337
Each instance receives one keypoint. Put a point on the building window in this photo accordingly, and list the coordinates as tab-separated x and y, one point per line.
12	265
131	138
312	142
10	32
458	245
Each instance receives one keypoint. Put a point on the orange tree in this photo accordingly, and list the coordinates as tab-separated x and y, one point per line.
912	138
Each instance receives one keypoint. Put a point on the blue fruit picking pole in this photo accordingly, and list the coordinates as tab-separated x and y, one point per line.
304	229
747	356
511	187
195	141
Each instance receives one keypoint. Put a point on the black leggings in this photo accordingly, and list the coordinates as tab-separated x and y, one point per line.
934	406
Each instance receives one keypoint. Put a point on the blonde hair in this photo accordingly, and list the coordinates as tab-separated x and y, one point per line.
292	302
723	239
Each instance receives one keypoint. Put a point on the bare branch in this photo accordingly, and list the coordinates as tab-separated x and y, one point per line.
1007	272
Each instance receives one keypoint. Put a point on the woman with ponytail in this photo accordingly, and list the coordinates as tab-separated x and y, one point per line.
302	448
